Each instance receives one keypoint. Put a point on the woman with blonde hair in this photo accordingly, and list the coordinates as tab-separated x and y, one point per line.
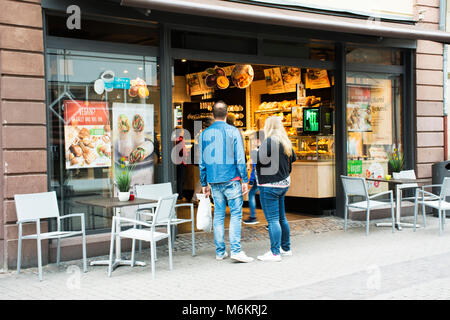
273	167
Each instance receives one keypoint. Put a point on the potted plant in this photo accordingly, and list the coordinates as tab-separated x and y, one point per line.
396	160
123	179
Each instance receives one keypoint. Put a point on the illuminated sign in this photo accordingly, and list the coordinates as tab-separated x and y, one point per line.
311	120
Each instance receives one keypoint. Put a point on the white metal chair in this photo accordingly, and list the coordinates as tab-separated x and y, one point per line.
36	206
429	199
355	186
154	191
162	216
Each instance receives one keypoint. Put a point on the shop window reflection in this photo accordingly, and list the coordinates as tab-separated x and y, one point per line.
373	125
87	92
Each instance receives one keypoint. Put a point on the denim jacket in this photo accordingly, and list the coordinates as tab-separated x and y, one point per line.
222	154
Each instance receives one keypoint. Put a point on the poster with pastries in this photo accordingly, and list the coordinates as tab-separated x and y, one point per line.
359	109
291	77
87	134
274	81
316	79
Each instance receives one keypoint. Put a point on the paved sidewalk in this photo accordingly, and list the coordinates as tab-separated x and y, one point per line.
327	264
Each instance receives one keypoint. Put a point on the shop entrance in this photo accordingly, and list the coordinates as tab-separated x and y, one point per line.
303	97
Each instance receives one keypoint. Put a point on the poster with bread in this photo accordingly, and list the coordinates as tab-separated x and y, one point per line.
87	134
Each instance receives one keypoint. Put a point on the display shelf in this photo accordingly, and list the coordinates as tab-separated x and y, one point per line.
274	110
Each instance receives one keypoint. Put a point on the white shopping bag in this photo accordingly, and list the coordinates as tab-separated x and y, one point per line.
204	213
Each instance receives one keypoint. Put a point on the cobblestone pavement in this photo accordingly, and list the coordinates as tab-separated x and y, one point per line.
327	264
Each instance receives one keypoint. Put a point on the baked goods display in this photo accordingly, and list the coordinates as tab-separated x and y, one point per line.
282	105
310	101
313	147
237	111
85	148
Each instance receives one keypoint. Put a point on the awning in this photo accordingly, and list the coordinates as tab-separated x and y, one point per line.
290	18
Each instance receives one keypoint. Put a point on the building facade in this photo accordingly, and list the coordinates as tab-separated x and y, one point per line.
42	53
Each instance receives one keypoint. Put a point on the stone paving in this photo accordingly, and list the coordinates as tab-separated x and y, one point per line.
327	264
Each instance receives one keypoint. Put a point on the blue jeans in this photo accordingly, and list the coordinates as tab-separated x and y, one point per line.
222	193
272	202
252	200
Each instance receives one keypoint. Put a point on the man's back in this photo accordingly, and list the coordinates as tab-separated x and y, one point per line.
222	154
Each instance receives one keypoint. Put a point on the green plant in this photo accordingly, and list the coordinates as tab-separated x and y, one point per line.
396	160
123	176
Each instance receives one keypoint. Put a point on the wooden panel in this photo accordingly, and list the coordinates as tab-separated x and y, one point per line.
312	180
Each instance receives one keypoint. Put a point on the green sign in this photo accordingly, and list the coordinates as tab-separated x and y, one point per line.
97	132
354	167
311	120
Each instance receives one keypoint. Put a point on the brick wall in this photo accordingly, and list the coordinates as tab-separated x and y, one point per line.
429	77
23	136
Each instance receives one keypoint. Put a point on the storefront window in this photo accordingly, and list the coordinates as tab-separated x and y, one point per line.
382	56
373	125
101	109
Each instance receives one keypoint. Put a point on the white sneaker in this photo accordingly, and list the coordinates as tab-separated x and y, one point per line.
241	257
219	258
269	256
285	253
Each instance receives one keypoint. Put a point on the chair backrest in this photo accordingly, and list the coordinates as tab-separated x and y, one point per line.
153	192
445	190
355	186
406	174
165	209
36	206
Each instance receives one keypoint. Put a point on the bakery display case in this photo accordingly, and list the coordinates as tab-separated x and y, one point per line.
314	148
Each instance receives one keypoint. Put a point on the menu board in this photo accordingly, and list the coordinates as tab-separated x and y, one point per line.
291	77
317	79
381	112
87	134
274	81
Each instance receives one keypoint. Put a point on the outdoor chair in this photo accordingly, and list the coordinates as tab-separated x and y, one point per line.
162	216
154	191
355	186
35	207
410	175
428	199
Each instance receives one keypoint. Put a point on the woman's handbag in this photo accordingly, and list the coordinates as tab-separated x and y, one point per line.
204	213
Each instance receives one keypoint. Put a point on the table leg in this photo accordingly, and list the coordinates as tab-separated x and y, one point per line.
398	224
118	262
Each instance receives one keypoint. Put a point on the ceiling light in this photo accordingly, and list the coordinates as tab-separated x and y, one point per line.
183	60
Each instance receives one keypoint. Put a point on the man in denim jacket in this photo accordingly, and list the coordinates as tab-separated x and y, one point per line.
222	166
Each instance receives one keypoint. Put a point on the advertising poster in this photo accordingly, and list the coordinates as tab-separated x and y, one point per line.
381	111
193	82
317	79
297	117
274	81
291	77
87	134
133	139
359	110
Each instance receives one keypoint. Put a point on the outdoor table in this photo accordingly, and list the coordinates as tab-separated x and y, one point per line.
116	205
398	195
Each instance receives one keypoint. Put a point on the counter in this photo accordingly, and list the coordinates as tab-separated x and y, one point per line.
310	179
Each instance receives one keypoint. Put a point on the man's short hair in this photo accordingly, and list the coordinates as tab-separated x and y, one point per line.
220	110
231	119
